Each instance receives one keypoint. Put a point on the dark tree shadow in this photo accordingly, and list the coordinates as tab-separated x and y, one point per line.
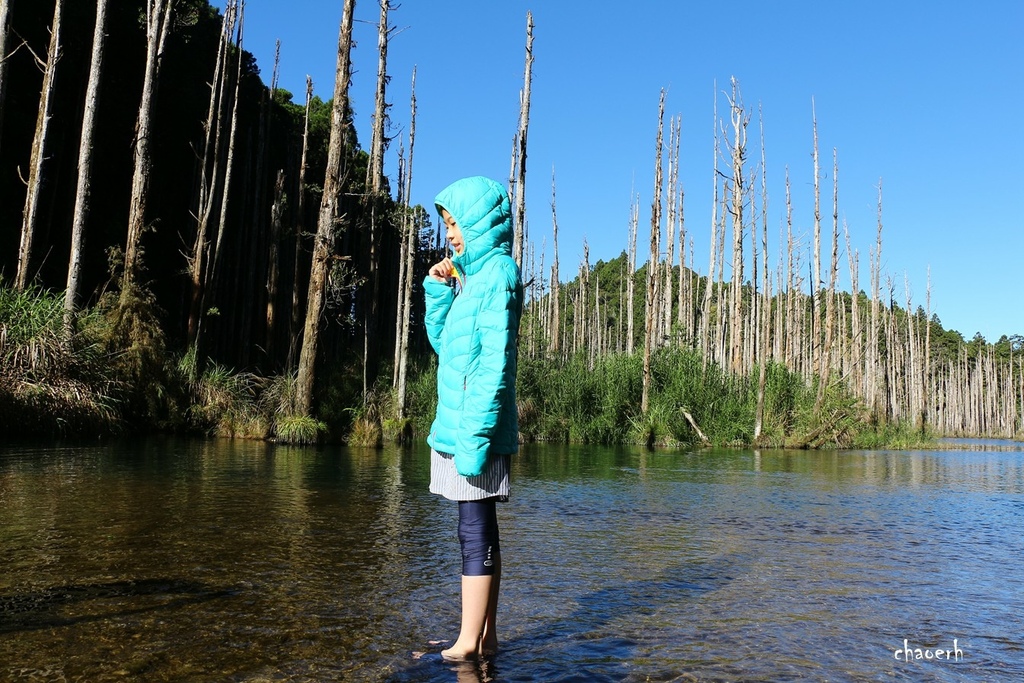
41	609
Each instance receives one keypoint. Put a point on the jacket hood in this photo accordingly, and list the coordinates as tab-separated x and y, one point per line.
483	212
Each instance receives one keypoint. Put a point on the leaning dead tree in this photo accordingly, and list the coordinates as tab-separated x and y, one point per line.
520	156
30	216
158	26
84	190
329	219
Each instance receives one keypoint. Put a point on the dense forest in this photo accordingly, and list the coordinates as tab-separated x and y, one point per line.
187	246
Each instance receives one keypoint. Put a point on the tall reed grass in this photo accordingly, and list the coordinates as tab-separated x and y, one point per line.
55	377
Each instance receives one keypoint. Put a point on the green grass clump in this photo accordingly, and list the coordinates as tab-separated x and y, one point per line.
56	378
299	429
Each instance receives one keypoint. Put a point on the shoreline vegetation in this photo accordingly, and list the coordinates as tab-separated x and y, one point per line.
114	376
263	281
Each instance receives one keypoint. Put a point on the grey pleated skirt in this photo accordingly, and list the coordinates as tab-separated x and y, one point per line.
493	482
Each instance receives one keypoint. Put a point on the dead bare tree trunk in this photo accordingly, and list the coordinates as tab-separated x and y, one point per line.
158	26
209	174
738	158
856	336
84	190
926	403
402	247
5	32
706	334
276	212
765	308
274	269
913	375
675	124
830	298
30	217
872	355
583	314
411	224
524	125
272	266
652	265
375	167
374	185
634	225
554	348
816	256
295	326
683	319
329	217
229	165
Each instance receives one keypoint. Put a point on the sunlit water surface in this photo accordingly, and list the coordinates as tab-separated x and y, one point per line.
173	560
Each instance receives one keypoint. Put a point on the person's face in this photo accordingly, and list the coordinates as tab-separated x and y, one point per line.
453	234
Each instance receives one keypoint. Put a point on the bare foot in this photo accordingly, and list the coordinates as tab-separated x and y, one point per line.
460	653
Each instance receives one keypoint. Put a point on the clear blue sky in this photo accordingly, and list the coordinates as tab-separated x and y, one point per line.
926	96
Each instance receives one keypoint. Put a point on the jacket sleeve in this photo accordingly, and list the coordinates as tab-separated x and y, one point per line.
487	386
439	297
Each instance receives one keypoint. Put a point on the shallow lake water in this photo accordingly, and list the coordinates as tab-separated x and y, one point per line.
183	560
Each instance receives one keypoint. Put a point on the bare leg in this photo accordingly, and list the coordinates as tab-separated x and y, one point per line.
476	596
489	637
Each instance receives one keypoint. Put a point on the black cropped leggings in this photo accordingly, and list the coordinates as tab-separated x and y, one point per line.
478	535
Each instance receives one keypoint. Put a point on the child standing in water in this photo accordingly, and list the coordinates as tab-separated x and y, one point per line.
474	302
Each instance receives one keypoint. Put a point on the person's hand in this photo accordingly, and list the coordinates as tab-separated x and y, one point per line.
442	270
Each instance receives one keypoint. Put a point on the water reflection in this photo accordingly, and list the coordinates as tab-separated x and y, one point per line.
219	560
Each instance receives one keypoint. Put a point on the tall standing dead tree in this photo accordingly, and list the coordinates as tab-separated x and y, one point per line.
295	325
411	225
739	120
209	174
763	324
705	315
84	190
833	278
634	225
158	26
374	197
329	218
653	279
214	272
556	317
524	125
5	32
815	283
30	217
273	275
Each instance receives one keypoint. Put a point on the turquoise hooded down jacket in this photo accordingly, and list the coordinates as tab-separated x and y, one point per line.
475	332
